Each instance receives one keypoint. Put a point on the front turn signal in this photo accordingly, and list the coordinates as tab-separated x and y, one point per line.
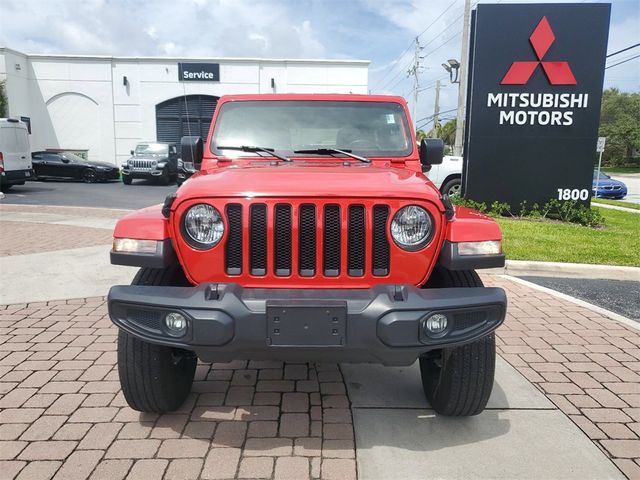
487	247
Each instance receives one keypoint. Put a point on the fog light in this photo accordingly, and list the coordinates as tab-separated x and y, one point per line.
436	323
176	324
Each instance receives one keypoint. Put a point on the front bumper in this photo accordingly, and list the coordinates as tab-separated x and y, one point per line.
142	172
384	324
113	174
611	193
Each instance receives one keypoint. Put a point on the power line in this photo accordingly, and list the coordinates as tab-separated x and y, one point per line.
623	50
623	61
406	50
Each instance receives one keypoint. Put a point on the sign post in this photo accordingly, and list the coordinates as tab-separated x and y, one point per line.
535	88
599	149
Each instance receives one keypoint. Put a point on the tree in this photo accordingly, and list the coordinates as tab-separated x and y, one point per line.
446	132
4	105
620	123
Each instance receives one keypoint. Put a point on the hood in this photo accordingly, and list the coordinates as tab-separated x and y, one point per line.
305	179
608	182
158	158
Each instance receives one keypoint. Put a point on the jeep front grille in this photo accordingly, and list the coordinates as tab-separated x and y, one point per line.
141	164
306	240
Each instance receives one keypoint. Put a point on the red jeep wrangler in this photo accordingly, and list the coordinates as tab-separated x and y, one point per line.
309	233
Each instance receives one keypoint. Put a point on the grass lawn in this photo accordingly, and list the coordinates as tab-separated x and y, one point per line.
618	203
621	169
618	243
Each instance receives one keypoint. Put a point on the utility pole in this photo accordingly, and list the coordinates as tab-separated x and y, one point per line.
462	86
436	111
415	70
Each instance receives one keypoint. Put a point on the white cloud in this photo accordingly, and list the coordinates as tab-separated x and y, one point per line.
146	27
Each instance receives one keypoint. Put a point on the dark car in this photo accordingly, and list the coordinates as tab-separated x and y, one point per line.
153	161
70	166
606	187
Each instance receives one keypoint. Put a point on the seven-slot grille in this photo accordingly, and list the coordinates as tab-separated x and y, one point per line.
319	245
141	164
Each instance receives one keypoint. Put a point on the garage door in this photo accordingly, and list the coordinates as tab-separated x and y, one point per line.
187	115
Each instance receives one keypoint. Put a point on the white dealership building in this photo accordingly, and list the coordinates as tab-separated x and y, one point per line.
101	106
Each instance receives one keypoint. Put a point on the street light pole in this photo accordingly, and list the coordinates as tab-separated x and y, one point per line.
462	86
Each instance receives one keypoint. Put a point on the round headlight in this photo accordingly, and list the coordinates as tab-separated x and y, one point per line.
411	227
203	226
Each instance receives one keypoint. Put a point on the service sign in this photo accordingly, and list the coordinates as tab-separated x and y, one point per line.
198	72
535	88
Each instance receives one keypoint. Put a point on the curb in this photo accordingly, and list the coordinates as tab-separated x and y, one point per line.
614	207
602	311
567	270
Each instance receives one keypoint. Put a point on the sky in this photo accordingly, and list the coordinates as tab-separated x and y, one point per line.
382	31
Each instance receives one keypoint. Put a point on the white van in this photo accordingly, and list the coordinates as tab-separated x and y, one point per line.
15	153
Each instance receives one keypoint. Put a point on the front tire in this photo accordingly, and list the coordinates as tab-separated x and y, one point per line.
89	175
452	187
155	378
457	381
165	178
126	179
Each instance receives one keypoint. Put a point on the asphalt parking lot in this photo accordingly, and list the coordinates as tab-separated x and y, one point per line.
141	193
619	296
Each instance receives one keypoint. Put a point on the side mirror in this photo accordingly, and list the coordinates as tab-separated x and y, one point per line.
431	151
65	160
132	152
192	150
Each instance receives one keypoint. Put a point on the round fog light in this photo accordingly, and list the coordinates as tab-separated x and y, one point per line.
436	323
176	323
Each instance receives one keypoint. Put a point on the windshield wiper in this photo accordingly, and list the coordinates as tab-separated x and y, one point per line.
255	149
331	151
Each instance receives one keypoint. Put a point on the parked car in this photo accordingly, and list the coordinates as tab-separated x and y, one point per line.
607	187
153	161
185	170
67	165
448	175
316	239
15	153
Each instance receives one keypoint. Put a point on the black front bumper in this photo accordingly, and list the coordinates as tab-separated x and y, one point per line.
383	324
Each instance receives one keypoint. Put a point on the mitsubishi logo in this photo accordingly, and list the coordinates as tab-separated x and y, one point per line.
558	73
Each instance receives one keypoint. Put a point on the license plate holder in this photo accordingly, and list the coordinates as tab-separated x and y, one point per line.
306	324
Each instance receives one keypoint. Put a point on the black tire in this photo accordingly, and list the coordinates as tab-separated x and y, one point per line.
458	381
155	378
452	187
165	178
89	175
5	187
126	179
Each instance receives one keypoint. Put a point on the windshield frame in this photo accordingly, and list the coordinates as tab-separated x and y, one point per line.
404	125
164	153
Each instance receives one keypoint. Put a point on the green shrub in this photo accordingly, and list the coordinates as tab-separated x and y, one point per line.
564	211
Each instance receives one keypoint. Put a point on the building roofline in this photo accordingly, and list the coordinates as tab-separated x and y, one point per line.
186	59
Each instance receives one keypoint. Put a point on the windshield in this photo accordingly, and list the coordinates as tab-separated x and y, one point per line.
603	176
72	157
151	149
366	128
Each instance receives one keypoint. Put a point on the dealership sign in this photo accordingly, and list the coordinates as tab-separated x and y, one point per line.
533	104
199	72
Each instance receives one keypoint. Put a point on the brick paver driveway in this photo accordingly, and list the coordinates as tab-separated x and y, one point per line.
62	414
